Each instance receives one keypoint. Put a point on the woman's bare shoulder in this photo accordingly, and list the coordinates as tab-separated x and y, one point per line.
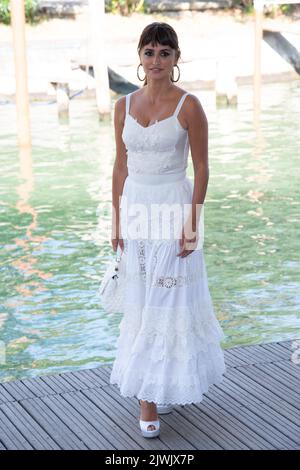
120	103
120	110
194	107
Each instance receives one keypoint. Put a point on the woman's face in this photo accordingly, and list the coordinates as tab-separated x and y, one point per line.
157	61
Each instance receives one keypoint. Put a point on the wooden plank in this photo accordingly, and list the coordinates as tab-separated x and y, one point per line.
225	439
234	424
248	357
281	375
282	346
256	353
261	355
234	358
73	381
27	426
268	397
52	424
60	382
2	447
105	370
5	395
174	440
99	378
251	419
38	387
76	419
283	47
278	353
103	375
98	420
186	428
86	378
290	367
76	380
280	390
11	437
17	390
181	425
270	415
286	344
118	409
230	360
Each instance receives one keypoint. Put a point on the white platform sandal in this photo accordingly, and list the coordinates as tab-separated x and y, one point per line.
145	432
144	427
164	409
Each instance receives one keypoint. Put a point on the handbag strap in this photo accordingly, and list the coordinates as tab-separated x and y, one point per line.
118	253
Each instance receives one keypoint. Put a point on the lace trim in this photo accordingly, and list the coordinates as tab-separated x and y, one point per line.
142	260
175	281
150	153
171	325
189	396
188	314
209	363
141	160
160	281
181	346
176	341
186	386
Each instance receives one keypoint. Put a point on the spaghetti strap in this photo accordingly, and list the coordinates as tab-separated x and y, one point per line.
127	102
180	104
175	112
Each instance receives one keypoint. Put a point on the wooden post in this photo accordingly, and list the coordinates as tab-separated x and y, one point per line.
62	99
22	97
97	19
225	84
258	6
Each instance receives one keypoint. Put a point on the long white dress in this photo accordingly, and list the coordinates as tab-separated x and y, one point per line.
168	349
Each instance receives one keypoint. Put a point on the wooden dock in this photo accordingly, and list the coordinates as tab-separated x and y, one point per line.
257	406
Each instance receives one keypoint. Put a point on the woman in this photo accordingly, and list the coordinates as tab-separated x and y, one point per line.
168	349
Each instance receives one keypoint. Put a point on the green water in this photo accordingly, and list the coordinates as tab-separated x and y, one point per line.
54	230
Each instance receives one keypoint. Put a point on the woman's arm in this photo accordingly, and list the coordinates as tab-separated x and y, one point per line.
198	137
120	172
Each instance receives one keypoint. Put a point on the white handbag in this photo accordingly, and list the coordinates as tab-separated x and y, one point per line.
112	287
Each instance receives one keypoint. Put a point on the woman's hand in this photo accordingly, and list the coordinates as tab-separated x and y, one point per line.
117	241
188	243
116	238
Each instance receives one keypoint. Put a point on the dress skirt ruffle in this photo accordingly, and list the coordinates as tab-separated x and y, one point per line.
168	349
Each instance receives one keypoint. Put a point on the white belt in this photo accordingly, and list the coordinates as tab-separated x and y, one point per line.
144	178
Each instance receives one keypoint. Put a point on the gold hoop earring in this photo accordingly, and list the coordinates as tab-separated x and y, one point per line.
173	72
137	72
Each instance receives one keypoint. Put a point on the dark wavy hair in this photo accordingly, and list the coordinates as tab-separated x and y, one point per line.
162	33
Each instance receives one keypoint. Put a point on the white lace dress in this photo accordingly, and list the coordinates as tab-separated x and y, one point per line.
168	350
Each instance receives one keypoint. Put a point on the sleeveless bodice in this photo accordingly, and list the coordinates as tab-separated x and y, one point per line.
161	148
